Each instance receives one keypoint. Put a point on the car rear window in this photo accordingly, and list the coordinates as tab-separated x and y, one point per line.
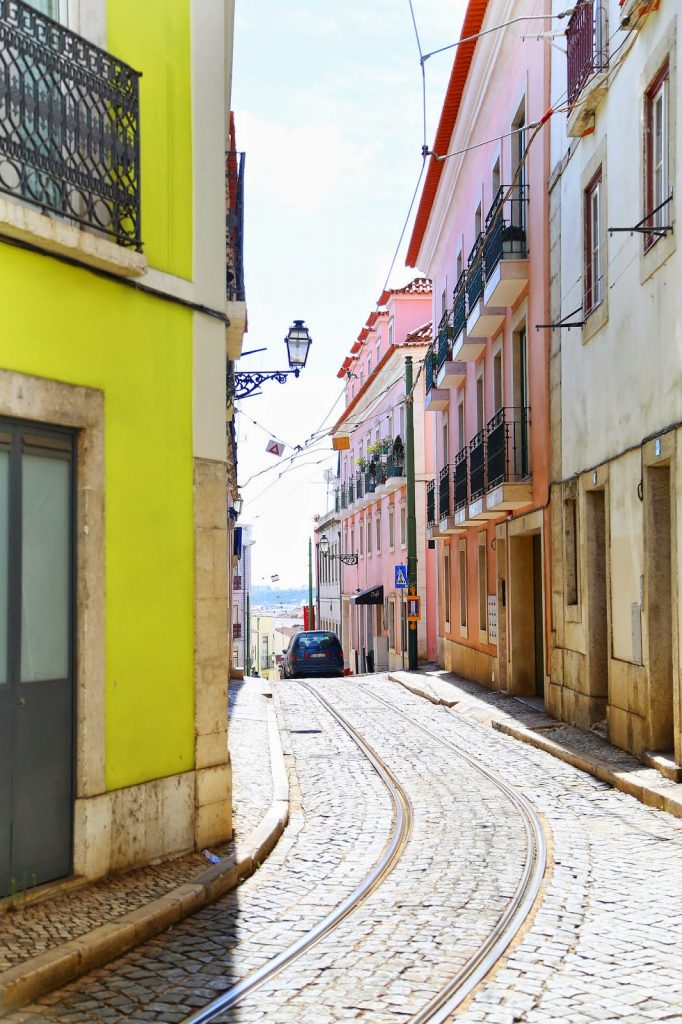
318	642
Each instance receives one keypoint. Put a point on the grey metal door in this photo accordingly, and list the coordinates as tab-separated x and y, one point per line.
36	655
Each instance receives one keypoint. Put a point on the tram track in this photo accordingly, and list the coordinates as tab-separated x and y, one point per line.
480	963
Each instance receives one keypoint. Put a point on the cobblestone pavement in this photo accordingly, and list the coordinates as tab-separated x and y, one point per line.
34	928
604	945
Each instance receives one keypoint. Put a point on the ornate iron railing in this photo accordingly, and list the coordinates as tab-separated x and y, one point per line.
234	226
507	446
586	44
69	125
351	492
444	503
371	478
461	478
477	465
431	503
395	465
474	278
444	337
429	370
505	227
459	305
359	489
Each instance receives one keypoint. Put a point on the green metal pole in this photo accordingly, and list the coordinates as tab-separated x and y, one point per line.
311	624
247	638
411	518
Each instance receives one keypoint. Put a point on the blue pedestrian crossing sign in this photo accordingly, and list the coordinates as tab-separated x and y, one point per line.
400	576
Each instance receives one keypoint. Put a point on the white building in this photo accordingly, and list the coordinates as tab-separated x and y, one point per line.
616	377
241	586
329	573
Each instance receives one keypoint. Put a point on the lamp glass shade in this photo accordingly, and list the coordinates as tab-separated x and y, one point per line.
298	342
323	545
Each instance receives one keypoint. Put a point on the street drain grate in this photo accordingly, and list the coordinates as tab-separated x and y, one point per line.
305	732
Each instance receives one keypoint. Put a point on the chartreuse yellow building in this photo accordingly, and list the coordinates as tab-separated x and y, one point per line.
114	476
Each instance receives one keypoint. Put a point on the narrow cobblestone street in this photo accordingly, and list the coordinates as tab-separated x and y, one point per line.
603	945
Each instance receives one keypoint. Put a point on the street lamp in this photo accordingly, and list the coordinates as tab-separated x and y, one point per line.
323	545
243	384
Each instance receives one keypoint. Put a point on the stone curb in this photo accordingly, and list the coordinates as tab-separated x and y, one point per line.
50	970
663	798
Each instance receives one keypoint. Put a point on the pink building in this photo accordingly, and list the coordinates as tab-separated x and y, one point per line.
481	234
371	499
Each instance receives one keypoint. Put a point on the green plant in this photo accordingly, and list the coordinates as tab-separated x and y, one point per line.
361	464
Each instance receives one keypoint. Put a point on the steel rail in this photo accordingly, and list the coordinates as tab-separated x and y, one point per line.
445	1002
388	860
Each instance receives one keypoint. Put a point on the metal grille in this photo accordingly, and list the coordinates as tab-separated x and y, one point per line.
507	446
444	505
69	125
431	503
505	228
459	312
428	370
477	465
461	479
444	337
234	226
586	44
474	272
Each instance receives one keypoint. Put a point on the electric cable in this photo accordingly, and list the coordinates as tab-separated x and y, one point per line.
496	28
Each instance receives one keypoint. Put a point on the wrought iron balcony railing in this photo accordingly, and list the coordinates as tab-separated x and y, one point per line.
477	465
586	44
429	369
444	501
370	481
431	503
507	446
359	489
69	125
395	461
234	227
459	305
461	478
351	492
505	227
474	272
444	337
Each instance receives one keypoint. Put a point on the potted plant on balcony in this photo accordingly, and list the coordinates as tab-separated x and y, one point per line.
398	457
386	445
361	464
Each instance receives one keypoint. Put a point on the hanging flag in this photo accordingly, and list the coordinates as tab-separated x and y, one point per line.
274	447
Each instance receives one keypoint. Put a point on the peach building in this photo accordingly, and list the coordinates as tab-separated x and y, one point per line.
372	497
481	235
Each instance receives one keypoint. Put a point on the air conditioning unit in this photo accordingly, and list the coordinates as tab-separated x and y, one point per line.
380	644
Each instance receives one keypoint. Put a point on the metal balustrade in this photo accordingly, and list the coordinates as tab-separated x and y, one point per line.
507	446
459	306
444	500
477	465
444	337
586	44
474	272
431	503
234	227
461	478
429	370
505	227
69	125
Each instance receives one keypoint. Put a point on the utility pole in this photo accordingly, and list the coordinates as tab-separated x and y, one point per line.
411	518
311	612
247	638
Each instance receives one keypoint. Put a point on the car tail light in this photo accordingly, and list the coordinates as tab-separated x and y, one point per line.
292	656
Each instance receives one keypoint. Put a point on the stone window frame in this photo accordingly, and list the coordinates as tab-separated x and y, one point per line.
598	316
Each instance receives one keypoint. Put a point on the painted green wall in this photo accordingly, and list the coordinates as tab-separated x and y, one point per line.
153	36
72	326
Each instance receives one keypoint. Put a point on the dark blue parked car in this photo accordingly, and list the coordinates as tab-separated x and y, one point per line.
314	652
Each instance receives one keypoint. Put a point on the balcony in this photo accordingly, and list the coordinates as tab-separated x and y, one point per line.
481	322
431	503
505	251
391	468
234	248
69	137
446	520
507	460
436	399
587	63
460	480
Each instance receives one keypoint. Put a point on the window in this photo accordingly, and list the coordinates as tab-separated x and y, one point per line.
391	623
361	536
443	300
593	249
352	541
518	163
446	587
495	179
657	158
478	221
571	550
463	585
460	423
403	526
369	536
482	584
378	350
390	331
48	7
460	264
497	380
369	363
377	523
445	439
391	528
480	404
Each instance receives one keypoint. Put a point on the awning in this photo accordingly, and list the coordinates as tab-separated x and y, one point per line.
373	595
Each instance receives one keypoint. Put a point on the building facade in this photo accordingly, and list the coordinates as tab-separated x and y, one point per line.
329	571
372	496
481	234
617	378
115	467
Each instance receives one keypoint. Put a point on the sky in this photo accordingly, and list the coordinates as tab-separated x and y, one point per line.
328	109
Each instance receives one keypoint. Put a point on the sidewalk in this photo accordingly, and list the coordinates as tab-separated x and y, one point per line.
514	716
74	927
